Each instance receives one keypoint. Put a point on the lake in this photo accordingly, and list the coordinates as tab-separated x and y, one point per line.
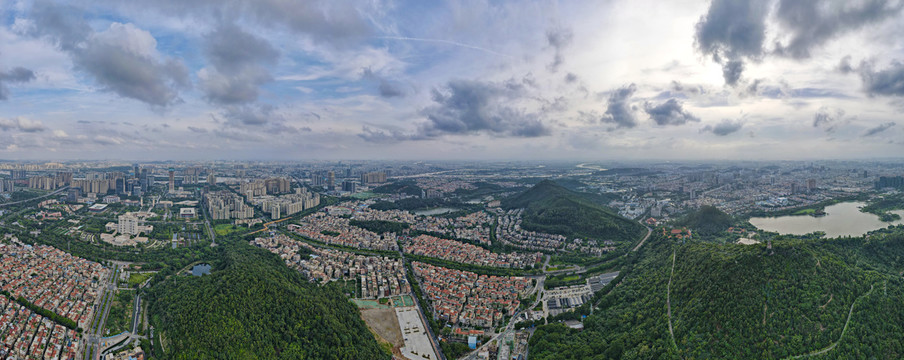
842	219
435	211
200	269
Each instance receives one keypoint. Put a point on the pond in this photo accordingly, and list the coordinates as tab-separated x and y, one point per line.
200	269
435	211
842	219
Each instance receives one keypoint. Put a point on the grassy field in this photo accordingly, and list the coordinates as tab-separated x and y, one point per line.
120	318
225	229
137	279
805	212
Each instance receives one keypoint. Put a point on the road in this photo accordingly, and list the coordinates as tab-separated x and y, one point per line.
35	198
92	338
649	231
668	301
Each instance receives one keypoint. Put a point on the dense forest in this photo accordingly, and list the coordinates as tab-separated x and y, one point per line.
254	307
552	208
706	220
832	298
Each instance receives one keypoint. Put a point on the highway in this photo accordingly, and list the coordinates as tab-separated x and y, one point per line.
57	191
92	338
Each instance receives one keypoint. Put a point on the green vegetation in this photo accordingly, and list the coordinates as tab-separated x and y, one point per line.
120	317
380	226
407	187
707	220
226	229
882	205
252	306
554	209
136	279
735	301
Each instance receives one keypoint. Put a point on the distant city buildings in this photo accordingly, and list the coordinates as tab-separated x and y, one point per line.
373	178
224	205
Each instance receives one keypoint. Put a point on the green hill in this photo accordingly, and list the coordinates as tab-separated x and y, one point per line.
554	209
252	306
839	297
707	220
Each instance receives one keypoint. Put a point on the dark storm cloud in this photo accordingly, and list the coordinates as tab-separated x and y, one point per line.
330	21
879	129
811	23
120	58
470	107
385	87
240	62
731	31
670	112
16	75
734	31
558	39
619	111
886	82
723	128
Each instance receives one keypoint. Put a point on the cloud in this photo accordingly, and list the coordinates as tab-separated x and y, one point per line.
723	128
827	118
878	129
558	39
197	130
619	111
22	124
381	136
734	31
887	82
251	115
387	88
731	31
670	112
122	58
16	75
469	107
809	24
333	22
570	78
240	62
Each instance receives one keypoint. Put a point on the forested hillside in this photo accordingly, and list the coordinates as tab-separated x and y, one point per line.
554	209
252	306
737	301
706	220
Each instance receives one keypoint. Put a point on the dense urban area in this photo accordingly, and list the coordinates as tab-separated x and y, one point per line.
442	260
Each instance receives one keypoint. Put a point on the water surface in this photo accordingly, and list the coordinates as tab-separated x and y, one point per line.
842	219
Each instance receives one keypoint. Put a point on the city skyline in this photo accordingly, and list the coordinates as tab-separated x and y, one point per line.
250	80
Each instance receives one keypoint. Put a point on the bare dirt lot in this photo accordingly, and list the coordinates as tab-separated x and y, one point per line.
384	323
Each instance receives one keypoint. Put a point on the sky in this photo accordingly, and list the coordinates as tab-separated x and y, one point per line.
451	80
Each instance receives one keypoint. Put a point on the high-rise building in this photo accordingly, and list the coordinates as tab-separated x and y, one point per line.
348	185
172	179
373	178
331	181
211	179
144	180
